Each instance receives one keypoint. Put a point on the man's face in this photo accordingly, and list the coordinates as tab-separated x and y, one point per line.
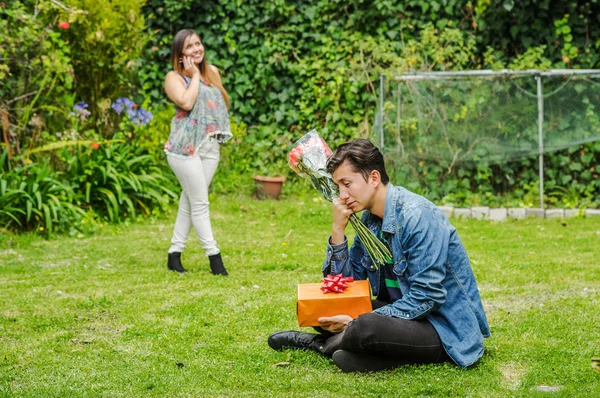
354	190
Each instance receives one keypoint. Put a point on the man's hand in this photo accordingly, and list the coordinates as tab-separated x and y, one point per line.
341	216
335	324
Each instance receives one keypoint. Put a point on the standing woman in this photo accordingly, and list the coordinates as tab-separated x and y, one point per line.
200	125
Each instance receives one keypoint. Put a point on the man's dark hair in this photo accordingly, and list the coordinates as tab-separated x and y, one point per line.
362	155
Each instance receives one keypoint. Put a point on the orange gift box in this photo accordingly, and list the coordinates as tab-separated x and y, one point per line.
313	303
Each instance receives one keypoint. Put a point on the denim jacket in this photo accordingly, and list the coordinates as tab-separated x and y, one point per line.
431	267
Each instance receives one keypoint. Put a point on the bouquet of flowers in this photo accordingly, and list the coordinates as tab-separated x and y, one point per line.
308	159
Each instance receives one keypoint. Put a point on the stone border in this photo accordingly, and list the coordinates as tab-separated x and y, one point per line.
502	214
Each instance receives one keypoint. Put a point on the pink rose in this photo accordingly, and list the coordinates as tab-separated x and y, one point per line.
294	158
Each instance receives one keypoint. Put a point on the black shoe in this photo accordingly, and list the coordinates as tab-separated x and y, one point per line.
216	265
349	361
174	263
291	339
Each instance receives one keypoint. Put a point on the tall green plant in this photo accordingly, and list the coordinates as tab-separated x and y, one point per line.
34	197
118	180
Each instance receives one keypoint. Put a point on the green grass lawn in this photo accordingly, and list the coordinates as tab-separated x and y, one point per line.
101	315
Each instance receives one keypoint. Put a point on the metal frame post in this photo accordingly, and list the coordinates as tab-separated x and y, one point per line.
398	103
381	103
541	136
399	117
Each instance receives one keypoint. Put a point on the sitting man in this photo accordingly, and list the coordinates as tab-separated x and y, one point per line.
428	308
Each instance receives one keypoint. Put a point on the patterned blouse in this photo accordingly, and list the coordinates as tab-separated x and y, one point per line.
208	118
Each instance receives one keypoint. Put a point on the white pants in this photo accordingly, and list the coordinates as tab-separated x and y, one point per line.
195	175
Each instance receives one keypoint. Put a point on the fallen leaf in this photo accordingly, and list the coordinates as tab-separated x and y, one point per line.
596	364
79	341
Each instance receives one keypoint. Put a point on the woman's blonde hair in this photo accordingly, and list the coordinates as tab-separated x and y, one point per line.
209	75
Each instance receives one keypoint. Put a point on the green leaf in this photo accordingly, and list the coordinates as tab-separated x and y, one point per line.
88	189
47	218
29	209
392	34
112	205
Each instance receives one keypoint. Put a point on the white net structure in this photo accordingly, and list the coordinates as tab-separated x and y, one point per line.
450	118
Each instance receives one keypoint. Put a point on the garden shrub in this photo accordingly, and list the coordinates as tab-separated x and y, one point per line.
36	75
35	197
108	38
118	180
107	181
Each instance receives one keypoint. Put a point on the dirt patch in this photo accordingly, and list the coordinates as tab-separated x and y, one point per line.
535	298
512	374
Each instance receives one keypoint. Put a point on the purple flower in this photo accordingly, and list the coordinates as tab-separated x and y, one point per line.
79	110
132	113
122	104
80	106
140	117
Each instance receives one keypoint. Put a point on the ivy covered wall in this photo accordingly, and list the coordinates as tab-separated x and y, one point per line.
295	65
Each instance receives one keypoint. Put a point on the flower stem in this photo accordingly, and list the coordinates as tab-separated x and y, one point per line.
378	252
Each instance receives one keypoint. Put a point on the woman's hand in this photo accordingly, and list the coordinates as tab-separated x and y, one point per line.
190	67
178	91
335	324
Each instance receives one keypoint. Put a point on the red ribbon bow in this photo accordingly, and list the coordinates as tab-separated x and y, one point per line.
335	284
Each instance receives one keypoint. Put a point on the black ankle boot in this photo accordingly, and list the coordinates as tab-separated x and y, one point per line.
174	263
291	339
216	265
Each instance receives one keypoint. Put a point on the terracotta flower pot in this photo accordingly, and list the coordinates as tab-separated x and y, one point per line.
268	187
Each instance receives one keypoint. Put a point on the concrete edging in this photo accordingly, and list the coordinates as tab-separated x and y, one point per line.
503	213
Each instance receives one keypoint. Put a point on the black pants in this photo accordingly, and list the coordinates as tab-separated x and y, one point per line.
383	339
